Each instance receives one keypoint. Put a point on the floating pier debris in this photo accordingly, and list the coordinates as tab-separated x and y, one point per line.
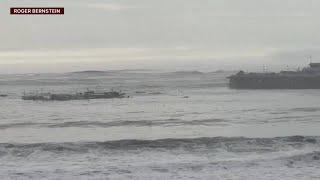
77	96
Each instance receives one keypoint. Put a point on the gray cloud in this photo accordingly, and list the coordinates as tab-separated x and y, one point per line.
246	28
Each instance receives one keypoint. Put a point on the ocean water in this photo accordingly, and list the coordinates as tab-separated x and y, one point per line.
174	125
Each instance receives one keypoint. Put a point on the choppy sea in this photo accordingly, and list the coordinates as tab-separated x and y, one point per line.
174	125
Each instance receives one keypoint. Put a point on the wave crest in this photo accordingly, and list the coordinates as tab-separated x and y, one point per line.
234	145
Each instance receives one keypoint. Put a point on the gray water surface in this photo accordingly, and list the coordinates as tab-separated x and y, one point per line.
176	125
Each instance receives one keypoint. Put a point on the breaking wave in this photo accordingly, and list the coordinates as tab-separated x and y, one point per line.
212	144
84	124
306	109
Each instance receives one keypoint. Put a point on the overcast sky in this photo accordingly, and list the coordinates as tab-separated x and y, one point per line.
159	34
